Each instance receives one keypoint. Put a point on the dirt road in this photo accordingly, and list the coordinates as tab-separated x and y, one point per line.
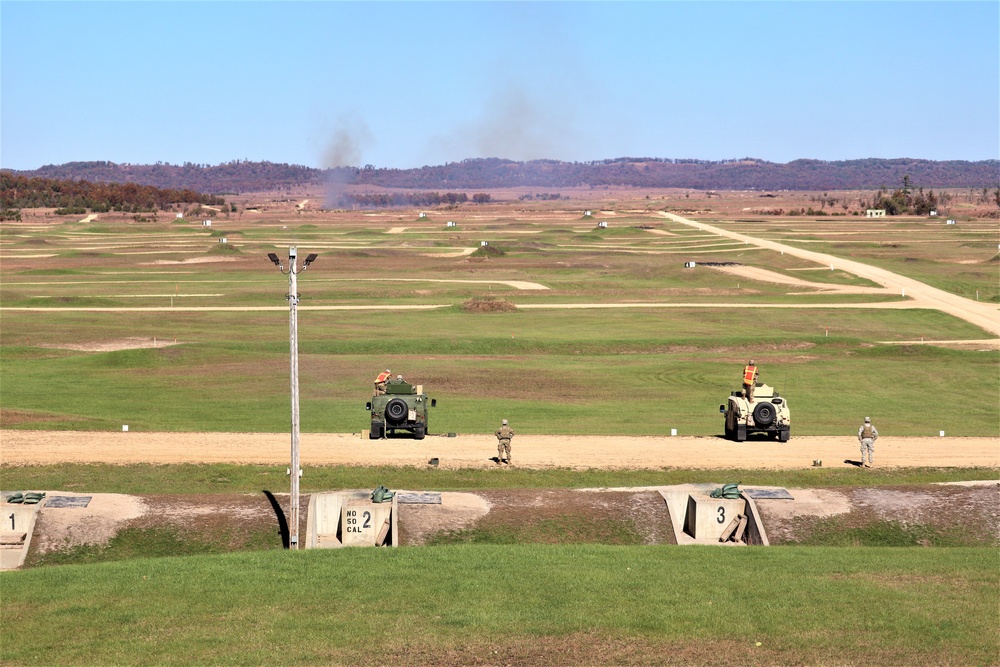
475	451
986	316
768	276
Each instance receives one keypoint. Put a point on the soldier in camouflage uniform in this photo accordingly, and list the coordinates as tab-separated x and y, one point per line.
504	435
867	435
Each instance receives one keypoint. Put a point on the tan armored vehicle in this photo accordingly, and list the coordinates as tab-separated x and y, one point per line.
767	414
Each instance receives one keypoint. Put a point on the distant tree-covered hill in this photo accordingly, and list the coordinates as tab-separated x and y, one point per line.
475	174
227	178
745	174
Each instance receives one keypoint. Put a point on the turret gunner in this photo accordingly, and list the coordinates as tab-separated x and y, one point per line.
750	379
380	382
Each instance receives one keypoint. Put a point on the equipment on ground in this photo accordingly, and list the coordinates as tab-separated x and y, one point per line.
730	491
29	498
403	407
768	414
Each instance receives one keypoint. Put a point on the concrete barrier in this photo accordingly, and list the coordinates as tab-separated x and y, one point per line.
349	518
16	529
697	518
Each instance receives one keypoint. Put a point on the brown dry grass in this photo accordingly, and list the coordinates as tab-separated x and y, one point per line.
488	304
598	648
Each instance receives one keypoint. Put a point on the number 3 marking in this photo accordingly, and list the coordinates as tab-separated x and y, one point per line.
722	515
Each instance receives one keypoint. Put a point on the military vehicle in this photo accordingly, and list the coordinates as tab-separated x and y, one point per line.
403	407
767	414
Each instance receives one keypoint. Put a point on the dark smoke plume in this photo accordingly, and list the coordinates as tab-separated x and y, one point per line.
343	156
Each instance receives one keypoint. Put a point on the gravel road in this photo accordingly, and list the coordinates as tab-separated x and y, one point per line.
476	451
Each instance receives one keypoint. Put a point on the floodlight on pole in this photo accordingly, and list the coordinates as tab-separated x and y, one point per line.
294	471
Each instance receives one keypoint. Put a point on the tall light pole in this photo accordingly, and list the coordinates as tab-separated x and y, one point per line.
294	471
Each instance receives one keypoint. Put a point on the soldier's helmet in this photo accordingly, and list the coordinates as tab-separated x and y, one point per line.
868	420
388	371
750	363
504	422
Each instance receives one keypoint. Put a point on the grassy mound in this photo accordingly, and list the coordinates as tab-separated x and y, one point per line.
225	249
488	304
488	251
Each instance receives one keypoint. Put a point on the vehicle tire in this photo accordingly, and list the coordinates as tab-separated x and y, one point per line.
377	431
764	414
741	432
419	431
729	433
396	411
784	435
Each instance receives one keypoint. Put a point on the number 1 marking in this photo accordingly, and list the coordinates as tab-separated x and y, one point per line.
12	521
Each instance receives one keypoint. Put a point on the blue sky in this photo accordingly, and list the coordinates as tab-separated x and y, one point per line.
415	83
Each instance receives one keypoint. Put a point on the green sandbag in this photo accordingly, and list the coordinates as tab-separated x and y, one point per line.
729	491
16	498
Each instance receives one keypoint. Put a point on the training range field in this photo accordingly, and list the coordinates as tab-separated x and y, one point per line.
562	326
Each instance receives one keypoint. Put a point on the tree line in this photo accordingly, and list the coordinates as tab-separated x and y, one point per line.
18	192
903	200
389	199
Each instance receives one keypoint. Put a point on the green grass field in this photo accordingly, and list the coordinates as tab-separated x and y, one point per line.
230	478
512	605
602	371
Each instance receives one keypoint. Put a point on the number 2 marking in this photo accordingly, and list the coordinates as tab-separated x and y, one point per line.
368	520
722	514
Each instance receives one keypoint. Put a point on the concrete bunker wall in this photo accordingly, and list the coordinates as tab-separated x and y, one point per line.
350	519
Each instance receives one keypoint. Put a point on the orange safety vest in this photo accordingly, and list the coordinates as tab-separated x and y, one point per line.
382	377
749	375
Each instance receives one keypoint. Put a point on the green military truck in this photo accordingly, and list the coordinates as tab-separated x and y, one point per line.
403	407
768	414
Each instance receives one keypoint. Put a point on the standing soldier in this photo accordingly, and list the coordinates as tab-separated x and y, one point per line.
867	435
504	434
380	382
749	379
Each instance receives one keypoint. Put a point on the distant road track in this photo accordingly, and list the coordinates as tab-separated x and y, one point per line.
985	316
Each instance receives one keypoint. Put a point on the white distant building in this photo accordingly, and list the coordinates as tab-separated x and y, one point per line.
206	223
484	243
180	215
451	223
933	213
875	213
422	215
602	225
